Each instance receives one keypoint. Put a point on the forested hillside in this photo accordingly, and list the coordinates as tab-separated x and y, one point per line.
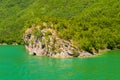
89	24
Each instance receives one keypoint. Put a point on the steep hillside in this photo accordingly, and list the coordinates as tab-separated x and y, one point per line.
89	24
10	22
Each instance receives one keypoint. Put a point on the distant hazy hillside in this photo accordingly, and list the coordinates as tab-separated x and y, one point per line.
94	23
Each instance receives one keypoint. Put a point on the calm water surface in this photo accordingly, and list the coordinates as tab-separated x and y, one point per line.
16	64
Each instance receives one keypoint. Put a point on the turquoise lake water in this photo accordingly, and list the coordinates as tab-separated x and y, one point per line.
17	64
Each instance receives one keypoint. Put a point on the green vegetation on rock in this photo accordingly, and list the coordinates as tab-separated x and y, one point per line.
89	24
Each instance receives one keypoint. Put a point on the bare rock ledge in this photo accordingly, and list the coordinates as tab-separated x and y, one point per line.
45	42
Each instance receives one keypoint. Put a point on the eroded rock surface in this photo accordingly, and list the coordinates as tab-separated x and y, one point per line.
45	41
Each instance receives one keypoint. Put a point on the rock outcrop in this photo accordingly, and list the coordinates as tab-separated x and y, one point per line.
44	41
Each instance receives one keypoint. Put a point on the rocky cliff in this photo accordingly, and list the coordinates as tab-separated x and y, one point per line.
42	40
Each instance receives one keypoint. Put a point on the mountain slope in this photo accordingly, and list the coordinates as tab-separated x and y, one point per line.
89	24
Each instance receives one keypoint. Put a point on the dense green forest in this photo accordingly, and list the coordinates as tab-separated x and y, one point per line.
89	24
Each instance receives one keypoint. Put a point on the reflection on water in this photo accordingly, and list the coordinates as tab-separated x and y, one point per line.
16	64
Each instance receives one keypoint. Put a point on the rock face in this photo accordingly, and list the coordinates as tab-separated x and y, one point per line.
45	41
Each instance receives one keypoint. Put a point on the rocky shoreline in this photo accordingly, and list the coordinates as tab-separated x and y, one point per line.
58	55
45	42
7	44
